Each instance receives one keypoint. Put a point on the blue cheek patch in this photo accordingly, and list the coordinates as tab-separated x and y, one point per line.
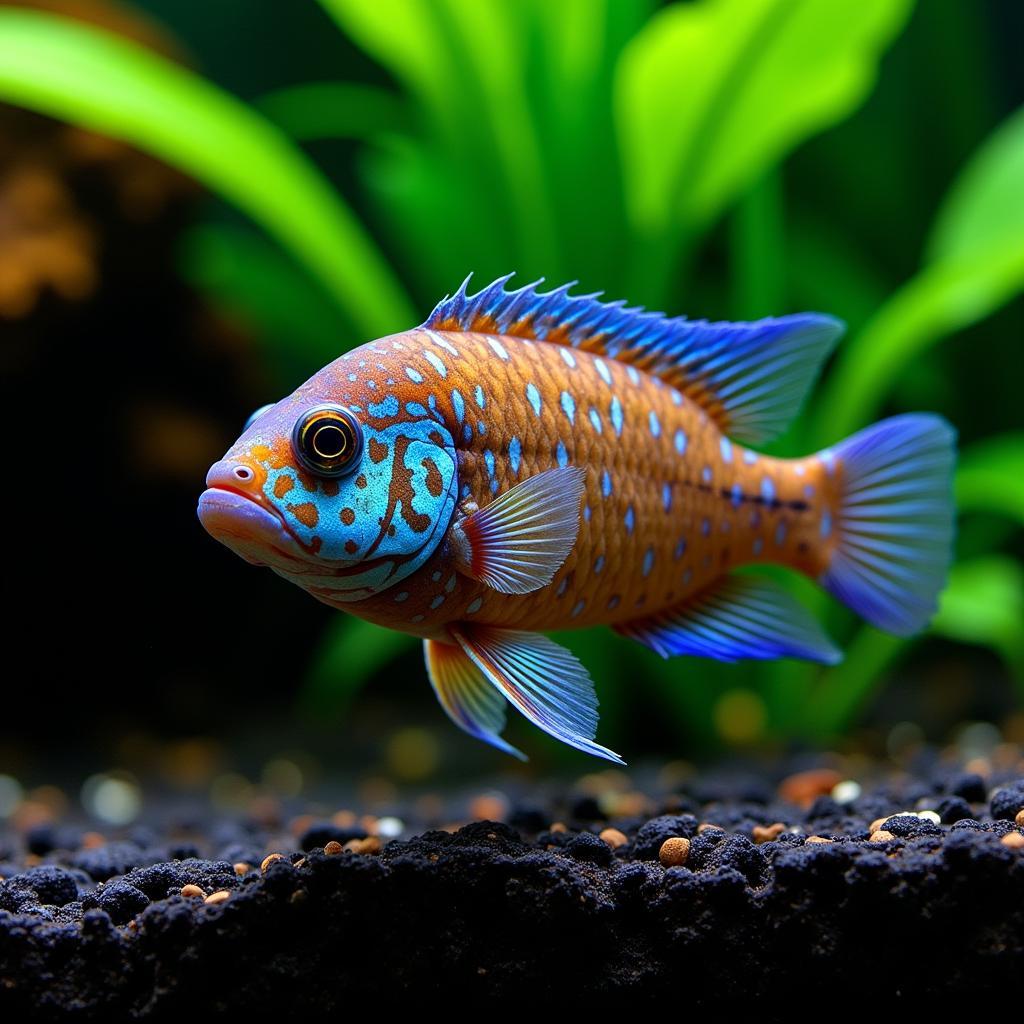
396	506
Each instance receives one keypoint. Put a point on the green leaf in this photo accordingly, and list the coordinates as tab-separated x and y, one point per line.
351	653
978	249
335	110
95	79
984	604
990	477
710	94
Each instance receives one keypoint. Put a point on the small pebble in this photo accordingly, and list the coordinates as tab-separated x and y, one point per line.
767	833
880	835
614	838
929	816
192	892
1014	840
846	792
333	848
269	859
817	839
488	807
558	826
217	897
706	826
344	819
369	845
803	787
241	868
91	840
674	851
1020	819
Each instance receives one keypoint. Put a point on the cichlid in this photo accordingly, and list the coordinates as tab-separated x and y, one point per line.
529	461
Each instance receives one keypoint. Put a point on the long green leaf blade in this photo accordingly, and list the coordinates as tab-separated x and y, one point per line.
95	79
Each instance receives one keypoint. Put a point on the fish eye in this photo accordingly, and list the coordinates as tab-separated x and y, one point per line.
327	440
257	414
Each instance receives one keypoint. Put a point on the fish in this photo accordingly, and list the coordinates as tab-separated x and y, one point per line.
528	461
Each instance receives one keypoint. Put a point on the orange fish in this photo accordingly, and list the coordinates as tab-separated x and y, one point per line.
529	461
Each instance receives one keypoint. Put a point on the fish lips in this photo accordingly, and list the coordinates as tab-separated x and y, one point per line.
252	531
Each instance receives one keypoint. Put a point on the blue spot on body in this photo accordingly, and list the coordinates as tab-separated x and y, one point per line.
633	375
706	474
498	348
677	399
666	496
438	601
533	397
587	513
687	577
750	458
613	601
737	495
467	433
415	409
515	453
826	523
680	440
654	424
478	394
567	358
726	446
599	563
481	427
705	527
563	587
436	362
578	607
648	562
562	455
494	486
414	375
595	419
606	483
458	404
780	534
465	490
436	576
680	548
474	606
767	490
616	414
808	490
828	460
450	585
629	519
401	596
353	376
489	460
385	408
758	545
568	406
603	371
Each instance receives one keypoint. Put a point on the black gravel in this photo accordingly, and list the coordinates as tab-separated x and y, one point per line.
529	913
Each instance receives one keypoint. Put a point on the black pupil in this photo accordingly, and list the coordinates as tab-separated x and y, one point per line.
330	440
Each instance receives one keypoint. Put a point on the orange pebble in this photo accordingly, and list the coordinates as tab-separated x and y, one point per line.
217	897
804	788
614	838
766	833
1014	840
817	839
674	851
333	848
880	836
269	859
241	868
192	892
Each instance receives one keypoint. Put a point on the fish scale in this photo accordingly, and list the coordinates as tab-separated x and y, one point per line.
528	461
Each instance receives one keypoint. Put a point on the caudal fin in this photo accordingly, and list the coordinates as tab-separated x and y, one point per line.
894	524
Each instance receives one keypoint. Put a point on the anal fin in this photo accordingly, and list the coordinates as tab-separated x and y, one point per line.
738	617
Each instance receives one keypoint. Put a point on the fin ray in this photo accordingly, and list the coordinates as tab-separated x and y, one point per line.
543	681
750	377
466	694
894	523
520	540
739	617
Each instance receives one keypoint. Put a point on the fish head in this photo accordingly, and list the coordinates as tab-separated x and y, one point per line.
342	489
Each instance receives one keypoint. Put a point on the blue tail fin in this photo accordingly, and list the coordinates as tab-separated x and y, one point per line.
894	523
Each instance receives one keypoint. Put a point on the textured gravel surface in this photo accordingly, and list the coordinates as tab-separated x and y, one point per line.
806	891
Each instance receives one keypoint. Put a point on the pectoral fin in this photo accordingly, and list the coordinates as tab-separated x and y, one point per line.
518	542
541	680
739	617
467	695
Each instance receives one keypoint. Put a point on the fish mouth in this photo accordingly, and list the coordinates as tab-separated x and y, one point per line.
248	527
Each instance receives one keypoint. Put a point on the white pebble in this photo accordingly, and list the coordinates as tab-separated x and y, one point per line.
390	828
929	816
846	792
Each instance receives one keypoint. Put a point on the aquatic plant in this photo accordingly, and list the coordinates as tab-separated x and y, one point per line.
636	150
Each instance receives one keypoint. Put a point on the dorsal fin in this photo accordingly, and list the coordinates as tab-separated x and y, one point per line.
751	378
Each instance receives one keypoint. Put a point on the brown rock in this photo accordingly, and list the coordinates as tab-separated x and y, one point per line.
766	833
674	851
804	788
614	838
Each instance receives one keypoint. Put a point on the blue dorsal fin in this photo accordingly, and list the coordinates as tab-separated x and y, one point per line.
751	378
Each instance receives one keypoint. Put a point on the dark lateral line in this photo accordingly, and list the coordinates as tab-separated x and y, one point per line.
753	499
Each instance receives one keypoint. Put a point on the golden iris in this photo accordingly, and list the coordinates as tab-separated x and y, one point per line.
327	440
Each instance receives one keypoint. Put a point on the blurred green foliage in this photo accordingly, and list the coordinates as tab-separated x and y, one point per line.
663	154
